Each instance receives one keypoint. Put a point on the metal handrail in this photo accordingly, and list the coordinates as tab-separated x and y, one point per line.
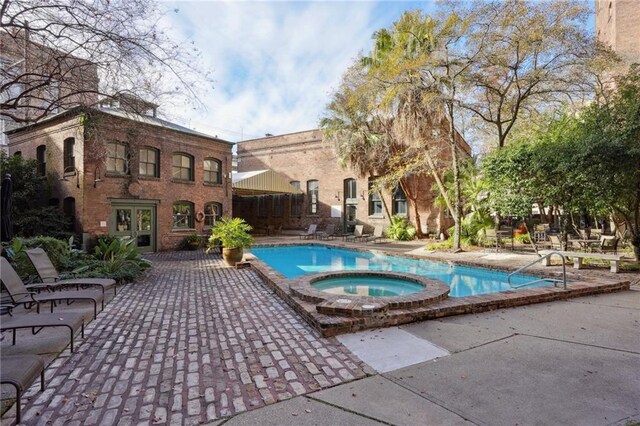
546	256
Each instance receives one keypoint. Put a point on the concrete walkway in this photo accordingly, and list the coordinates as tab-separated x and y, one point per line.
573	363
199	343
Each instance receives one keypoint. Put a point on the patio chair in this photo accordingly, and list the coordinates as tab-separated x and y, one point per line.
328	232
491	239
20	294
36	322
556	243
310	233
48	274
608	244
596	233
378	234
20	372
357	233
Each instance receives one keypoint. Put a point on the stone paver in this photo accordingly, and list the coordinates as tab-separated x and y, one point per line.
193	342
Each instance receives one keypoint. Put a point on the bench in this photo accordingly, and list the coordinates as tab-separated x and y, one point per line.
615	259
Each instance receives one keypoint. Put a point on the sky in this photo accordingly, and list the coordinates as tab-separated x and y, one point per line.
275	63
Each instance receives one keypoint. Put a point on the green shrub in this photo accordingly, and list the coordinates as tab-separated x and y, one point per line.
119	260
231	232
187	243
48	221
440	245
401	229
523	239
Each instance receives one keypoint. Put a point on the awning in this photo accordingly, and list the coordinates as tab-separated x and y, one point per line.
261	182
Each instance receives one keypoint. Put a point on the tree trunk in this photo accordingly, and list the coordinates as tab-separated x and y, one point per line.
413	198
384	204
457	202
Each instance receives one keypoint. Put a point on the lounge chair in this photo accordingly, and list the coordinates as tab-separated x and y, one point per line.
310	233
358	234
556	243
48	274
328	232
20	294
36	322
20	372
378	234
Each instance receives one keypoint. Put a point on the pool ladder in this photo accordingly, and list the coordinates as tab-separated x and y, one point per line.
553	280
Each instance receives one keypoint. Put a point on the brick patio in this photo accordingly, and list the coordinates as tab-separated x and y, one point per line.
193	342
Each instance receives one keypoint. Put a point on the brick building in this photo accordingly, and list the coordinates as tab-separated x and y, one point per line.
330	193
618	26
127	174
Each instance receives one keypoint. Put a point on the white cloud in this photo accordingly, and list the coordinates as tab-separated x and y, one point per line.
274	63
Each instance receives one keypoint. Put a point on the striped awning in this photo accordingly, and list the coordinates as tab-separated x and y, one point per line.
261	182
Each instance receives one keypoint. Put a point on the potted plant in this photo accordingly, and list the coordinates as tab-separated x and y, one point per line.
192	242
233	234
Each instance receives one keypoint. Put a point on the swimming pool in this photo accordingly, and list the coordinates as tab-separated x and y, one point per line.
296	260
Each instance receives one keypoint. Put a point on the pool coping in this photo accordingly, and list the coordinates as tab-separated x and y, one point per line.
355	305
334	324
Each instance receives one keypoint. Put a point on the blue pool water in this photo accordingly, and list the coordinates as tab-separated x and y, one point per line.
293	261
367	286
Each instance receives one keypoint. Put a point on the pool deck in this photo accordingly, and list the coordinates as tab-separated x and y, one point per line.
199	343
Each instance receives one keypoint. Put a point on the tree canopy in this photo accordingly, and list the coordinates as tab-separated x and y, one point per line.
586	162
61	47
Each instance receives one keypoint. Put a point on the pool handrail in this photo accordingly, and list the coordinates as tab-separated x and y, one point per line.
553	280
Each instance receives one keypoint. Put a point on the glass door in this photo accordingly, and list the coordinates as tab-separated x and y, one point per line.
135	222
144	228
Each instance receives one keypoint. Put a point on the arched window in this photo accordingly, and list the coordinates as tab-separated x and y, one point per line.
17	154
312	196
399	202
41	158
117	157
183	215
212	213
350	189
182	167
149	162
68	155
212	170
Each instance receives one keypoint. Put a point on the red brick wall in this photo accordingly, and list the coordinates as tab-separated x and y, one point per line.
303	156
93	205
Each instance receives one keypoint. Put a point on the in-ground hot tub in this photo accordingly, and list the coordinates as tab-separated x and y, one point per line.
367	285
367	293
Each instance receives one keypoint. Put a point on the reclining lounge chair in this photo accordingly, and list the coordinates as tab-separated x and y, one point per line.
20	294
378	235
310	233
36	322
20	372
328	232
48	274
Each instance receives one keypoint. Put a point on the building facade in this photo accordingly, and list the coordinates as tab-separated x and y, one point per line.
331	194
618	26
129	175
